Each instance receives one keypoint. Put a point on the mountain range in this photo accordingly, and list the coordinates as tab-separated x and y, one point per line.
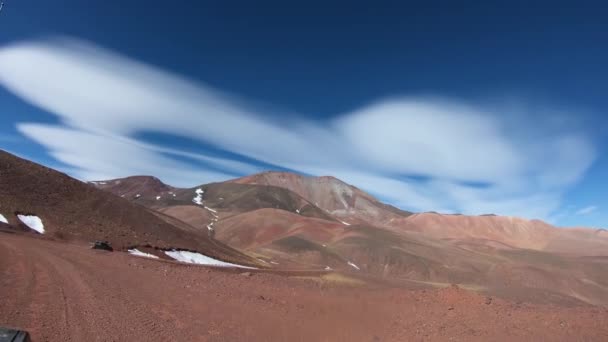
286	222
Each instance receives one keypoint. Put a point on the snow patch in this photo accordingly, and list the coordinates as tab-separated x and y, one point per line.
137	252
200	259
353	265
345	223
157	198
298	211
210	226
34	222
274	262
211	210
138	196
198	199
3	219
327	268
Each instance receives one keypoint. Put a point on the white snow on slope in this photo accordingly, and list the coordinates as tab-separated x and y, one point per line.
345	223
343	202
157	198
3	219
138	196
200	259
198	199
298	211
353	265
137	252
327	268
210	226
34	222
211	210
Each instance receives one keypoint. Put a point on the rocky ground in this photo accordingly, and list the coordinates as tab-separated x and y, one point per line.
67	292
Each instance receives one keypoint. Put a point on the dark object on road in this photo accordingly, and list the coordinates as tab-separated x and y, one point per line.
10	335
104	245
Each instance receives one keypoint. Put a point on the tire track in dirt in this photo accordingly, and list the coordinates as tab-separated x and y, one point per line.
68	292
50	284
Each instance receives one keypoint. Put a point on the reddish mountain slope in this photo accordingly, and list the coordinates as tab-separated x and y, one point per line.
506	232
134	187
273	216
73	210
224	198
352	205
284	239
339	199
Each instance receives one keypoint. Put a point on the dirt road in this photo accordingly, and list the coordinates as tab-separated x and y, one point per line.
67	292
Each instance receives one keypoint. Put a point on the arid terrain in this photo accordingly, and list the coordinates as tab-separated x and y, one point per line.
309	259
67	292
289	221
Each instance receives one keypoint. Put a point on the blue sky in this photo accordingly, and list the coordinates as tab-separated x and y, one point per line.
467	107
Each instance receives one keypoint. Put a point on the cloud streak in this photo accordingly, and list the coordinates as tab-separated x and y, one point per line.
104	100
586	210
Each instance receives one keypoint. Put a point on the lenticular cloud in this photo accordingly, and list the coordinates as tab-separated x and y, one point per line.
104	100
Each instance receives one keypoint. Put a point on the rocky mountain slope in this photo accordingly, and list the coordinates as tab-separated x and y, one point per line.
292	222
69	209
337	198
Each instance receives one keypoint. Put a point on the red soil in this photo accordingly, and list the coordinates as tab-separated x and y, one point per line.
67	292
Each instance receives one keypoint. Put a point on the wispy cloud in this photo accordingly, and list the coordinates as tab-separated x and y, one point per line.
104	100
586	210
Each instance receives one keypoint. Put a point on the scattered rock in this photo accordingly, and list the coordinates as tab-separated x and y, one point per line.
488	300
103	245
451	308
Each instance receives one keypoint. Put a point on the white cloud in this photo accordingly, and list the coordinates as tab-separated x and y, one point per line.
586	210
101	157
438	139
103	100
